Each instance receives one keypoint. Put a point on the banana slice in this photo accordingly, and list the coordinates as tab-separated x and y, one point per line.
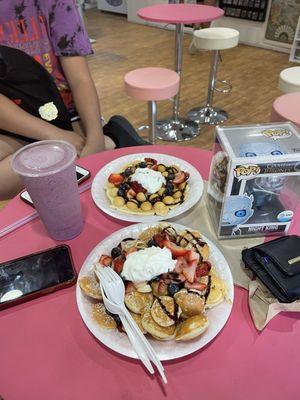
136	301
157	331
191	327
90	287
164	311
191	303
102	318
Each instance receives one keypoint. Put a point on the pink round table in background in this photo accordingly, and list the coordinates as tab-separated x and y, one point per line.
176	128
46	351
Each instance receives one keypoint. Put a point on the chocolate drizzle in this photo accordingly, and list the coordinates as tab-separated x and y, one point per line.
173	317
208	288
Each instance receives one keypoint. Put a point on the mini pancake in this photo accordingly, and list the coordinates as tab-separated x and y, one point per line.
138	320
191	303
90	287
148	233
157	331
217	292
164	311
193	239
191	327
102	318
136	301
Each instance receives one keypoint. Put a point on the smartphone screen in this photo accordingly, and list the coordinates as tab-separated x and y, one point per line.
36	274
81	174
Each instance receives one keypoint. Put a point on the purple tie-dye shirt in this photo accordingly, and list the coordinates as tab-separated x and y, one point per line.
45	29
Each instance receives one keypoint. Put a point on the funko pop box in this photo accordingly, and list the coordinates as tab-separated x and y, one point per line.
254	183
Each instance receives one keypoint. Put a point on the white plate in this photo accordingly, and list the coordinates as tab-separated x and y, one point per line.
168	350
102	201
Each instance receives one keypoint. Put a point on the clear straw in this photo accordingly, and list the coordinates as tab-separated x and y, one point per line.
33	215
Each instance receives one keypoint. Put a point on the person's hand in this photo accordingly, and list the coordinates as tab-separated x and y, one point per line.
71	137
92	147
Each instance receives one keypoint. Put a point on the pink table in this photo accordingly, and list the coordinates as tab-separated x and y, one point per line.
46	352
176	128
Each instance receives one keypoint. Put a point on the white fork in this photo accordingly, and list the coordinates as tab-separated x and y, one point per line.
115	291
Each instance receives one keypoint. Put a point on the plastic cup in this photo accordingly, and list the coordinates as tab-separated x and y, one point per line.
47	170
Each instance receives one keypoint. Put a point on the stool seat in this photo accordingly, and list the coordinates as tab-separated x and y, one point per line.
287	108
289	80
151	83
216	38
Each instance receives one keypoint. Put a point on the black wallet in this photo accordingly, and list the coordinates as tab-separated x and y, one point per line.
277	265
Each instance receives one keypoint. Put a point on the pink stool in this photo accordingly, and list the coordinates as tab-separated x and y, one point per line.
286	108
152	84
176	128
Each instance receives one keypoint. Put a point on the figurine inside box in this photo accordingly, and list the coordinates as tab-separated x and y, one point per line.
254	183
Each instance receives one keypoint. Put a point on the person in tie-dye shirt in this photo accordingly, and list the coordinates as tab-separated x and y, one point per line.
52	32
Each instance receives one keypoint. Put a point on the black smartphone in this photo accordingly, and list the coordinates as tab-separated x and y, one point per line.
81	173
36	274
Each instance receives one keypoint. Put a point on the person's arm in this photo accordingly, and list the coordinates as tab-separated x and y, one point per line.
86	101
14	119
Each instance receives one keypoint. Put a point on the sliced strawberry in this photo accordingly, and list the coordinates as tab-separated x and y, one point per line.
130	194
179	178
118	263
181	277
196	286
180	264
105	260
176	251
116	179
189	271
129	287
192	256
137	187
154	167
203	269
151	160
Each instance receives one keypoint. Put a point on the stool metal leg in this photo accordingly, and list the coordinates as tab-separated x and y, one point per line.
176	129
152	115
208	114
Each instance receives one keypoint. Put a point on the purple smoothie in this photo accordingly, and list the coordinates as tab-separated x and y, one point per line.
47	170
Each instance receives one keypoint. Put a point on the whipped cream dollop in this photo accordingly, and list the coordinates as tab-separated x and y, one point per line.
146	264
151	180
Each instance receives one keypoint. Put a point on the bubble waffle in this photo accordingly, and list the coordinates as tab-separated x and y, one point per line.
162	192
172	304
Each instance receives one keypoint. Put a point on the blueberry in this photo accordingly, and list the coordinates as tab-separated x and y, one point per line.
170	176
142	164
121	192
124	186
151	243
128	171
173	288
116	252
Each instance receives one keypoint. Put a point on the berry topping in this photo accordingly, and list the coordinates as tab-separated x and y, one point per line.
116	252
179	178
118	263
116	179
137	187
150	160
105	260
142	164
173	288
128	171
